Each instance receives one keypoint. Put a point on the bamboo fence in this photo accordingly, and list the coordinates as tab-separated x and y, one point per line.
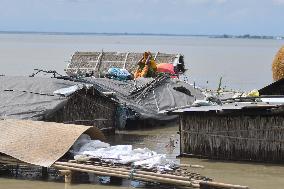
86	107
99	62
233	137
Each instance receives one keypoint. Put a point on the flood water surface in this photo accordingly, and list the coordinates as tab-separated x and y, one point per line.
239	61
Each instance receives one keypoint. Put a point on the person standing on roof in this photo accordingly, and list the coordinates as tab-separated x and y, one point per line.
147	66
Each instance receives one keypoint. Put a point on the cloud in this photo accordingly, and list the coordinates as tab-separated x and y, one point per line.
279	2
221	1
208	1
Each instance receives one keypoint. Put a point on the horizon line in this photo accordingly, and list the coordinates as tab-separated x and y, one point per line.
130	34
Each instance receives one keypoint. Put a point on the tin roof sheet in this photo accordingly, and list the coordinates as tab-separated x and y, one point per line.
229	106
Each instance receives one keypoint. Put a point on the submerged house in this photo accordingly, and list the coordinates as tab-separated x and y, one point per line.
144	100
55	100
105	103
242	129
140	99
86	97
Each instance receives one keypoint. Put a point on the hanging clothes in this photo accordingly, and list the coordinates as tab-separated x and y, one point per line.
147	66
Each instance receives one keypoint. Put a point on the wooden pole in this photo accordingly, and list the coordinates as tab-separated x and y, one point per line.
44	173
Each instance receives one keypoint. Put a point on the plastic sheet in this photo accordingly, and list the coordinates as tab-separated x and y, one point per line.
85	149
67	91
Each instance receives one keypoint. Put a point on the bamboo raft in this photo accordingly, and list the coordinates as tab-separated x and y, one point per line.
180	177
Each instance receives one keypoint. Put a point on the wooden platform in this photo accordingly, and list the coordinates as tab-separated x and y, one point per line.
180	177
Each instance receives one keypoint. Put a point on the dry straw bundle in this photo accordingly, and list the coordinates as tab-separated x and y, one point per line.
278	65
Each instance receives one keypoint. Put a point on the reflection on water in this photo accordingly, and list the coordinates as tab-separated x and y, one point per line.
257	176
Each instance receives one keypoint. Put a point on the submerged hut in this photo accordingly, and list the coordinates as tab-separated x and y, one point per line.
248	130
86	106
55	100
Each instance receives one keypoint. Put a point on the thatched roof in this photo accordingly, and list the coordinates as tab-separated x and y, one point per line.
278	65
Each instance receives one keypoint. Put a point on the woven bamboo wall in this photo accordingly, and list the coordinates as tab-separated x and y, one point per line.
99	62
87	107
233	137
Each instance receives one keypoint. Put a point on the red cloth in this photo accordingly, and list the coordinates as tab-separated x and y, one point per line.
165	68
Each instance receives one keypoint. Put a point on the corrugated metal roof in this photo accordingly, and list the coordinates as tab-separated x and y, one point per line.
229	106
40	143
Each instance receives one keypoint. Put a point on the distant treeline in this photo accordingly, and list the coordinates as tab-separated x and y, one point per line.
246	36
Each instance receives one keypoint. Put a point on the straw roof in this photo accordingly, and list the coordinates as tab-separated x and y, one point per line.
278	65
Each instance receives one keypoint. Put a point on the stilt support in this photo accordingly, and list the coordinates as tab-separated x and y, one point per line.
68	175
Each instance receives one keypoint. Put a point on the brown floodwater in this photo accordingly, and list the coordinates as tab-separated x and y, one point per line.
256	176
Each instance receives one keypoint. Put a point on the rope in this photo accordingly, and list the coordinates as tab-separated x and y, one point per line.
36	93
131	173
156	102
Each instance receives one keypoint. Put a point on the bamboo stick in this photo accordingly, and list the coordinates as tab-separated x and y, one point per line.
160	178
67	175
8	158
192	166
7	162
128	176
115	171
99	172
126	171
221	185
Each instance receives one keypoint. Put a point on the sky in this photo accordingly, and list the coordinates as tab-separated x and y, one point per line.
196	17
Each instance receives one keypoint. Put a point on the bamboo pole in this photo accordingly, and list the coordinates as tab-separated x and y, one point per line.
192	166
7	162
11	162
127	171
120	171
161	178
131	176
67	175
205	184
